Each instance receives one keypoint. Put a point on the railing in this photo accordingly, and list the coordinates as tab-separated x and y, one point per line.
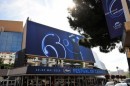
7	82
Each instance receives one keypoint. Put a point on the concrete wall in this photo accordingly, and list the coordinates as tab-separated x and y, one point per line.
11	26
3	72
20	70
24	36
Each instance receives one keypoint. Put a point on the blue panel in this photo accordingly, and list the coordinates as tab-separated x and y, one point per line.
50	42
59	70
10	41
114	16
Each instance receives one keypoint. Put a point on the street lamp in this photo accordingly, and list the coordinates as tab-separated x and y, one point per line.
117	70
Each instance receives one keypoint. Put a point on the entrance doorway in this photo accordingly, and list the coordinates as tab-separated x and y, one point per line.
33	80
65	81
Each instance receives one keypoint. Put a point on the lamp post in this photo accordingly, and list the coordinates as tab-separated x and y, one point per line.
117	70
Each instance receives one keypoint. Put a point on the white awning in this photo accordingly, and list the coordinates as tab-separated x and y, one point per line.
67	63
103	77
77	64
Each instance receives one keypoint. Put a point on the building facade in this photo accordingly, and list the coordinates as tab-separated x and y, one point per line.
10	40
51	57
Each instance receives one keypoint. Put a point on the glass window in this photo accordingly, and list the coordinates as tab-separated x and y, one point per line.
10	41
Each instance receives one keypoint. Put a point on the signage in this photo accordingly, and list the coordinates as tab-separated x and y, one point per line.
50	42
59	70
114	16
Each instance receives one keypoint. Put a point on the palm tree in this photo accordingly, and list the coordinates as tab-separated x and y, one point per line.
1	61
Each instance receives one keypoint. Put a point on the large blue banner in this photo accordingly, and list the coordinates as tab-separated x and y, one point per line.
50	42
59	70
114	16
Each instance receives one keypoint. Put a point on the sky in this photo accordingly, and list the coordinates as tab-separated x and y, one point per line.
54	13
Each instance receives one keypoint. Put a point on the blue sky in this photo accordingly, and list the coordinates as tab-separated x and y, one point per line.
54	13
49	12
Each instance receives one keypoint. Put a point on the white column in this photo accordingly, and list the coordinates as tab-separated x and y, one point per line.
22	81
50	80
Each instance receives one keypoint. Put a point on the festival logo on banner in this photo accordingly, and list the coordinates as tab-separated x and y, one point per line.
59	70
114	16
50	42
